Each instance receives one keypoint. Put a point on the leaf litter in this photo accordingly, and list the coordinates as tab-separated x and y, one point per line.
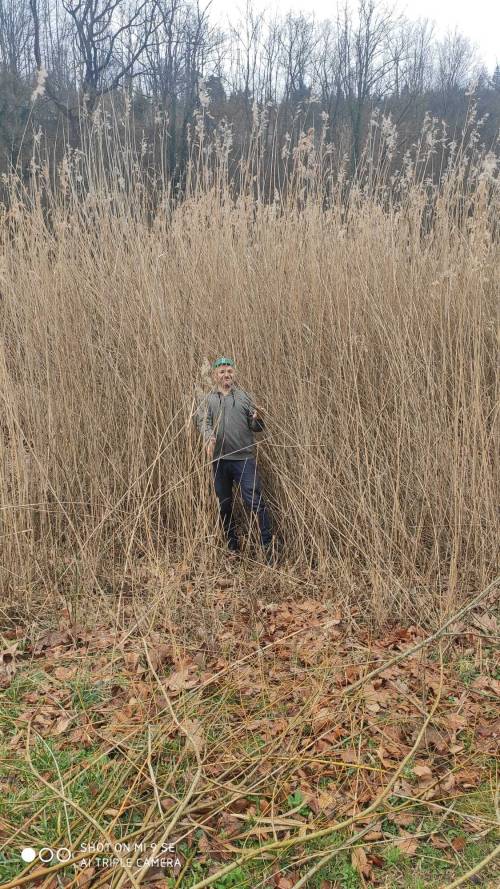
285	749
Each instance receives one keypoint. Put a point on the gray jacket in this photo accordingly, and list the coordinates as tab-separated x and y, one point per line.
229	419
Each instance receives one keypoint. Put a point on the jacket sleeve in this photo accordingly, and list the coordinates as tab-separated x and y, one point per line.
254	425
204	420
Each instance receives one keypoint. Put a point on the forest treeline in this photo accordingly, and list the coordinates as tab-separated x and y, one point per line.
166	64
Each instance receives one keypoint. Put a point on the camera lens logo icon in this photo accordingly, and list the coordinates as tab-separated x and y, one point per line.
45	855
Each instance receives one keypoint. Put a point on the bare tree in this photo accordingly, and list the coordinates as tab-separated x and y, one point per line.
365	61
245	41
164	64
101	31
298	41
16	31
164	53
269	58
409	78
416	69
456	63
200	45
327	73
173	58
183	50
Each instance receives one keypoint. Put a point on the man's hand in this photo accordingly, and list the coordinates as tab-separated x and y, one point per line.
210	448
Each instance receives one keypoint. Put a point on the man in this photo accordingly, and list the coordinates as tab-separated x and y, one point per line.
227	419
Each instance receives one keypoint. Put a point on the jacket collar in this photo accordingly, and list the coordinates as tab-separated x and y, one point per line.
231	392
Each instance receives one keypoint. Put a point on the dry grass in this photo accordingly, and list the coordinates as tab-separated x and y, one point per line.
298	743
362	317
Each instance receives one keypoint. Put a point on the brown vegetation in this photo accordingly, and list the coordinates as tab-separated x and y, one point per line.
361	313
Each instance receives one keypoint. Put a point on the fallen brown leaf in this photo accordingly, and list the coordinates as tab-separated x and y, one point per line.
373	835
422	771
360	861
84	877
61	725
402	818
349	755
167	803
438	842
50	639
64	673
194	729
8	664
376	860
181	680
407	845
160	655
132	659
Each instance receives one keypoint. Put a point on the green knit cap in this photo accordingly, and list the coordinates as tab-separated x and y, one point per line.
221	361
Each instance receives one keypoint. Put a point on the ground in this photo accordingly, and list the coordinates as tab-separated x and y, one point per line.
228	737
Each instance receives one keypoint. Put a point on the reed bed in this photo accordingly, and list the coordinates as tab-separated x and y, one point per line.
362	316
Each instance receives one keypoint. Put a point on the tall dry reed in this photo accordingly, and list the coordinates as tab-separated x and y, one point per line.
361	315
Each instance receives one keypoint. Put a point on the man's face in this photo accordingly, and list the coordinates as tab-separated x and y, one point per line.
224	376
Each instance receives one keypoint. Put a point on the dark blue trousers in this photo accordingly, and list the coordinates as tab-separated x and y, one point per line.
244	474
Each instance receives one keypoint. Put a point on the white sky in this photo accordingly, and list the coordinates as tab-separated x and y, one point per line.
479	20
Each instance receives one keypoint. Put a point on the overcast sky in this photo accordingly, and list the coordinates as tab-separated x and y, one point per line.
479	20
